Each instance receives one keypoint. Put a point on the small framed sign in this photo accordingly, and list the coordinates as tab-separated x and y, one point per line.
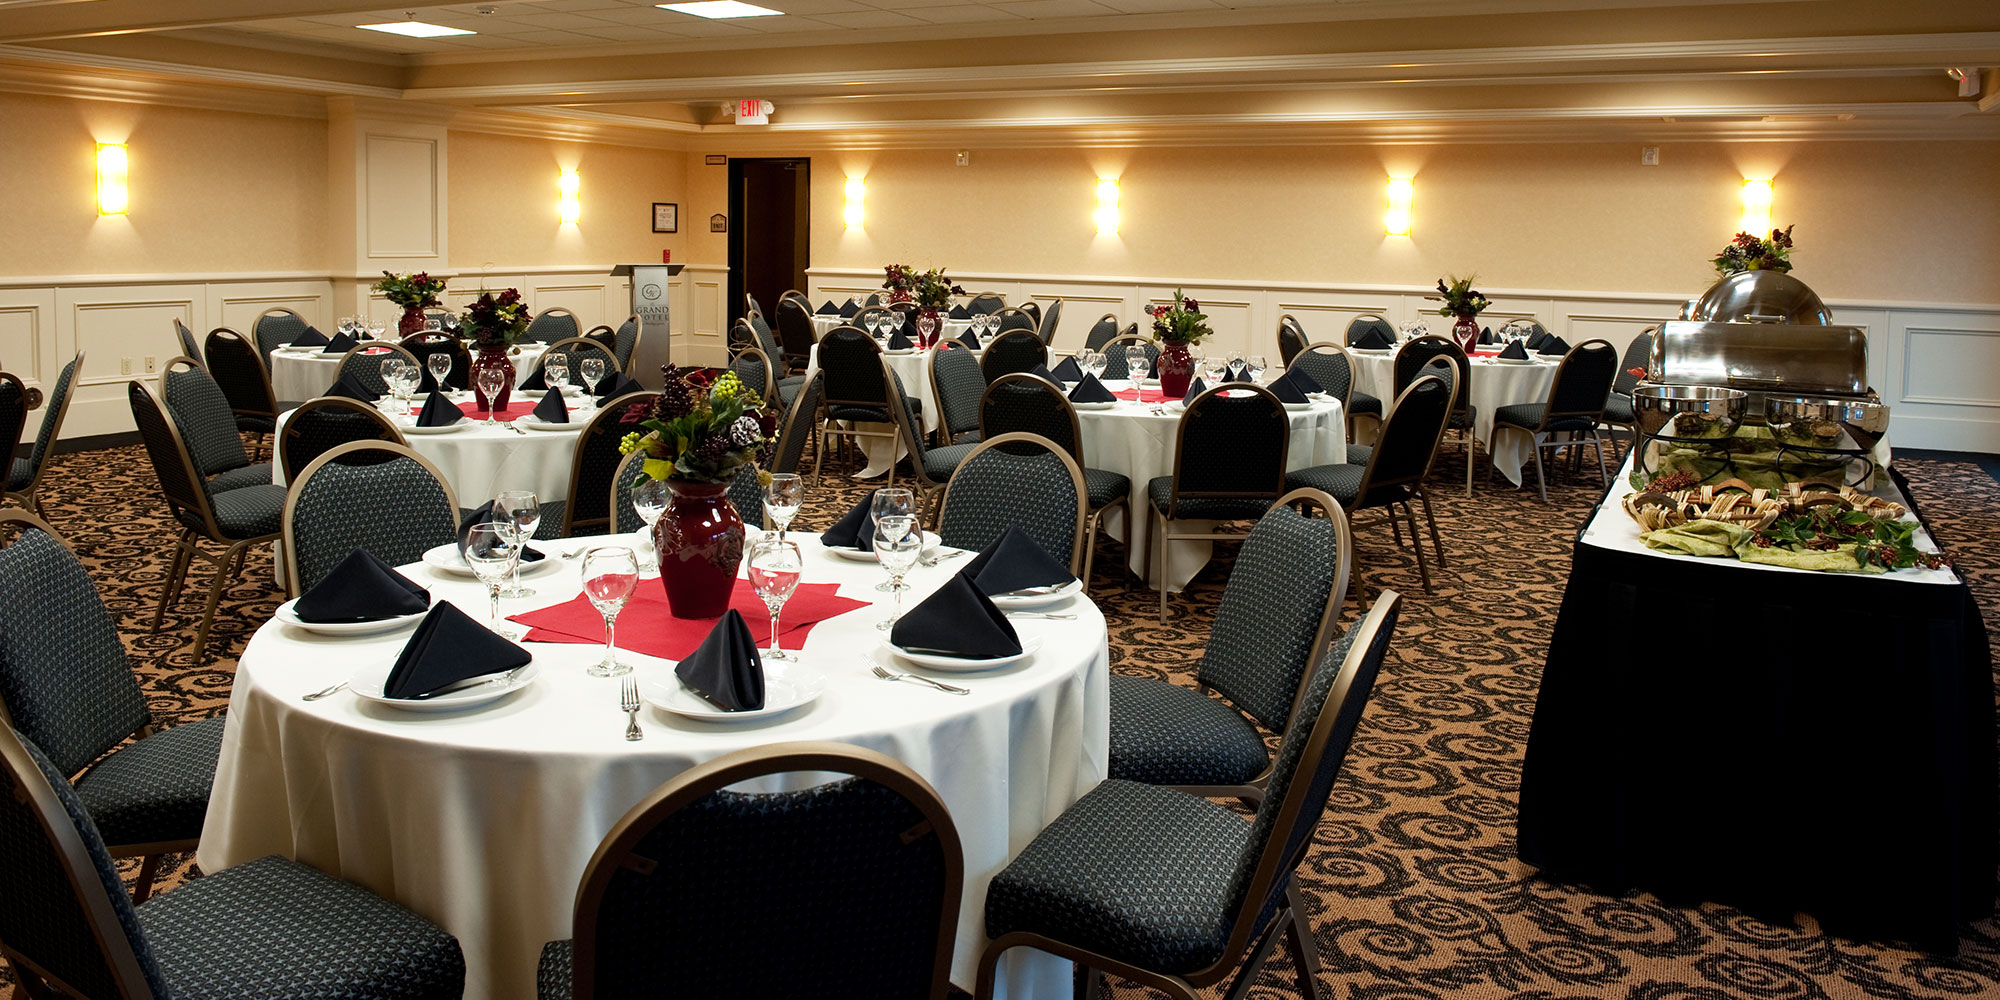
666	217
718	159
718	223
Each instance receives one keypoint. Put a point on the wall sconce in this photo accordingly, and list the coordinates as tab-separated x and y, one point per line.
856	193
1396	217
1756	209
569	207
1107	206
112	197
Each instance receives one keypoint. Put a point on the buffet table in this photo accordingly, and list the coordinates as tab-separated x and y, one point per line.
1774	739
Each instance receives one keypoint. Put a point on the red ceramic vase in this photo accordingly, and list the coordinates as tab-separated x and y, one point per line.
492	357
700	541
412	321
1465	333
937	326
1176	369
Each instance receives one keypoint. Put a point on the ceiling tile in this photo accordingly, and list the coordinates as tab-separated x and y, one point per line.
553	20
962	13
818	6
1055	8
1158	6
869	19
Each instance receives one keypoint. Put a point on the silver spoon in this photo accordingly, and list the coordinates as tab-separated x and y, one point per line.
930	561
323	692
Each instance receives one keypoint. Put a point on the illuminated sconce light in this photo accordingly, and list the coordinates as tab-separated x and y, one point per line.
111	194
1756	208
1396	217
856	193
1107	206
569	207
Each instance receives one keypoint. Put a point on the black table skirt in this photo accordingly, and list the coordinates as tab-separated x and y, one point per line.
1775	741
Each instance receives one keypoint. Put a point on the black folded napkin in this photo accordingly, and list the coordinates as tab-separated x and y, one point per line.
1555	346
1287	389
481	515
855	529
1486	336
311	338
1015	562
449	647
350	387
726	670
1306	383
618	385
827	308
439	412
552	409
1373	340
970	340
1090	390
958	312
1514	352
340	344
849	310
535	382
1068	371
362	588
898	342
429	383
1195	388
957	620
1043	371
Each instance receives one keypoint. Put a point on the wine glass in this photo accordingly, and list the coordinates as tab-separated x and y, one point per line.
1414	329
591	369
432	324
872	323
893	501
1253	367
555	372
1097	363
897	543
376	328
491	551
408	379
775	568
783	497
1235	364
491	381
346	325
925	326
1135	364
649	501
1217	368
451	324
439	365
523	510
610	575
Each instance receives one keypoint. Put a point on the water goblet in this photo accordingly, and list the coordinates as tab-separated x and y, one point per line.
556	375
783	496
649	501
432	324
491	552
1253	367
871	323
345	325
897	544
439	365
376	328
592	371
555	359
491	381
610	575
775	568
1136	364
408	380
1217	368
893	501
1235	365
925	326
523	510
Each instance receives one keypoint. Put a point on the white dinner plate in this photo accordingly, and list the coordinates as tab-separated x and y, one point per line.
289	349
445	559
1301	406
899	353
787	686
535	423
1374	352
868	555
456	425
1512	361
1094	406
959	664
1022	602
287	613
366	683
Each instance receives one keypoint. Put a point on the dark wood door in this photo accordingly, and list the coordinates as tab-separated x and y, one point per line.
770	210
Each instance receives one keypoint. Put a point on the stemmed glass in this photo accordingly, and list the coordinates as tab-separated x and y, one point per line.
346	325
1253	368
522	510
439	365
872	323
925	326
897	543
1217	367
491	381
1235	364
891	502
432	324
610	575
1136	365
491	551
783	497
376	328
775	568
555	372
1097	363
649	501
592	371
408	378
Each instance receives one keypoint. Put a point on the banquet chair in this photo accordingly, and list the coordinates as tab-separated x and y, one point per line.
957	383
1618	408
1102	331
266	928
324	423
874	299
201	413
14	399
864	874
1019	479
24	475
1291	339
1026	402
338	504
1537	335
795	335
1394	473
1575	406
553	324
753	369
1412	357
366	368
752	305
1016	350
1047	323
793	293
575	349
245	381
275	328
1229	465
603	336
1359	326
422	345
760	336
1275	621
984	303
1175	892
1115	365
1332	367
239	519
741	336
593	469
1016	318
67	683
625	342
1033	309
856	391
930	468
189	346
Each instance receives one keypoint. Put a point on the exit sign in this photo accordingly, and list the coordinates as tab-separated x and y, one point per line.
753	111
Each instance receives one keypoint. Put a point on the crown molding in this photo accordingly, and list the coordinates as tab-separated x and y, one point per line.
186	71
49	81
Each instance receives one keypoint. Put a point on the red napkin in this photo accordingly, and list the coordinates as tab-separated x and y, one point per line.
646	626
1142	395
512	411
371	351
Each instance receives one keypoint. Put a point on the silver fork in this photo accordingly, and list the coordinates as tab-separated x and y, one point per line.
628	701
929	561
1062	616
890	675
323	692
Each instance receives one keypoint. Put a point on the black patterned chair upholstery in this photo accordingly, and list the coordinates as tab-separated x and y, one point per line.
202	414
1618	408
625	342
1276	618
422	345
1115	365
1101	332
366	368
1291	340
1034	311
1046	323
745	493
1029	403
322	424
189	346
1175	891
795	336
865	873
245	381
1332	367
753	369
1016	318
931	468
957	383
337	503
267	928
276	328
1359	327
24	475
1040	491
13	412
986	303
801	418
1229	465
551	325
572	350
1537	335
1012	350
66	683
1574	408
856	390
593	468
1417	354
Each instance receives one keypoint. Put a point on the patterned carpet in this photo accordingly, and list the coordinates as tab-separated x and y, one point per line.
1413	884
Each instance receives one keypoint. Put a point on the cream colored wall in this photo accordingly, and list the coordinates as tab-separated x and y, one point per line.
503	202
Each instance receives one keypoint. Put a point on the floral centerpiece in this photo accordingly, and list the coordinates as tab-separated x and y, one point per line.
1748	253
696	438
1177	325
414	292
1465	302
929	289
493	323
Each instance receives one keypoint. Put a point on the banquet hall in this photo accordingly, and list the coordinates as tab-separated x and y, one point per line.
1388	499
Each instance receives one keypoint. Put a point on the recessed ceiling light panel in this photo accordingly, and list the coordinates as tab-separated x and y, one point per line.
415	29
720	9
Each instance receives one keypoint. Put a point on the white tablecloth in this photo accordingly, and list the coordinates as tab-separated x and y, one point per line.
914	368
1494	385
480	461
822	323
484	820
299	376
1135	441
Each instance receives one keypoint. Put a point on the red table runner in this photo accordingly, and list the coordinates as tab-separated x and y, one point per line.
646	626
512	411
1141	395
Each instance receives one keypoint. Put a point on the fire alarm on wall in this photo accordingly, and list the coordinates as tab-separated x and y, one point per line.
1649	156
964	158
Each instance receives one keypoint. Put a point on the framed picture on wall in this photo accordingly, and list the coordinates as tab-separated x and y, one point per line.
666	217
718	223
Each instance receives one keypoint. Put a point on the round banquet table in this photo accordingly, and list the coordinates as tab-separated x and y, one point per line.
1137	439
823	322
298	375
1494	384
914	368
480	461
483	820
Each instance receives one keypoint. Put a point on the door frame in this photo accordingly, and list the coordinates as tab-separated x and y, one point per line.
737	264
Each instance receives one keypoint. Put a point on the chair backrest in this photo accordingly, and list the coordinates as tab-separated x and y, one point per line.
13	413
67	916
1359	326
1413	355
1049	320
1041	492
422	345
1232	442
1027	403
203	415
338	504
753	369
1407	444
793	293
189	346
625	342
866	872
741	336
751	303
1034	309
238	368
276	328
746	494
324	423
1016	350
909	426
53	413
1583	381
795	331
851	361
595	465
578	348
1638	354
1115	365
957	382
874	299
799	424
1537	334
986	302
1331	366
184	490
1279	606
1291	339
366	367
1101	331
1015	318
65	681
553	324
